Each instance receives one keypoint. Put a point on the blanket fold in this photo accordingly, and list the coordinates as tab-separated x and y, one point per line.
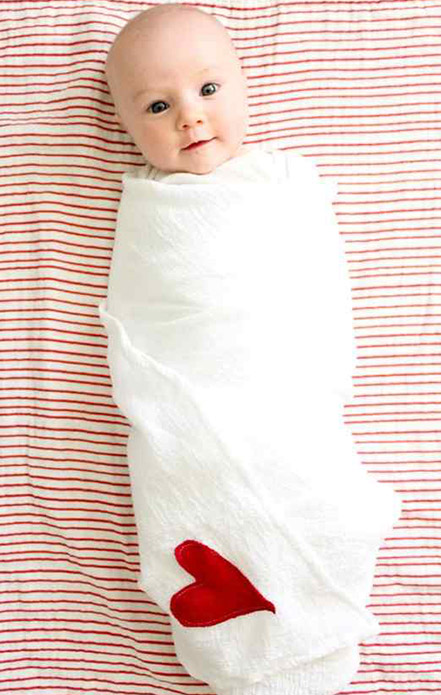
229	322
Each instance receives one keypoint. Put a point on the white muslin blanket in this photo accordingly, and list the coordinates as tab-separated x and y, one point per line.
231	351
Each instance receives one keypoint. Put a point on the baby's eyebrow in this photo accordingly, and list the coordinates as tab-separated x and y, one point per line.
144	90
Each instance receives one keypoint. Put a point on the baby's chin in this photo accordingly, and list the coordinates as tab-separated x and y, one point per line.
202	160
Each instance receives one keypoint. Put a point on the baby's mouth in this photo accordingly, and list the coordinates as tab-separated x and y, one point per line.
198	144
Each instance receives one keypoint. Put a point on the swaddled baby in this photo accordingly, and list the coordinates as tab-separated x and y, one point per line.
230	349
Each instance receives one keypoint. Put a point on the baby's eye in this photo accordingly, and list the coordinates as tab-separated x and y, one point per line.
151	108
210	84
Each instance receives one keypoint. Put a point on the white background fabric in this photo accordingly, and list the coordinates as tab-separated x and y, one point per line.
354	86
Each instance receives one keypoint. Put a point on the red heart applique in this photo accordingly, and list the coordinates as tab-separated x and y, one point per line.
219	593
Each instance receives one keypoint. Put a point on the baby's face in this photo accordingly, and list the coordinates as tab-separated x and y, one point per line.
177	83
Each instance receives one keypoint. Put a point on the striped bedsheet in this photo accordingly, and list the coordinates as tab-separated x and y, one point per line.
355	86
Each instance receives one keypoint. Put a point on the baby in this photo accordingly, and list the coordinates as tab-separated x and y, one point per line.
230	335
179	89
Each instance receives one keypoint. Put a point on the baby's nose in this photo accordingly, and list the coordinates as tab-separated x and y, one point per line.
191	116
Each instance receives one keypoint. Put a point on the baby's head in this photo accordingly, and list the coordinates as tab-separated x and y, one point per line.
175	78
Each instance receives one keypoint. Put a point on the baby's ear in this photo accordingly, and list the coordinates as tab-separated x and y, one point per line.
117	118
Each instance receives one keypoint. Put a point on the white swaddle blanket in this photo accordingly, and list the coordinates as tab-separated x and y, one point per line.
231	352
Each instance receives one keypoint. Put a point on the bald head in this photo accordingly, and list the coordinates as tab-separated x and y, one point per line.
172	19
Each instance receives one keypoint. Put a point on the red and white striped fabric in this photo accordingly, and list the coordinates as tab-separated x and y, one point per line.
355	87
